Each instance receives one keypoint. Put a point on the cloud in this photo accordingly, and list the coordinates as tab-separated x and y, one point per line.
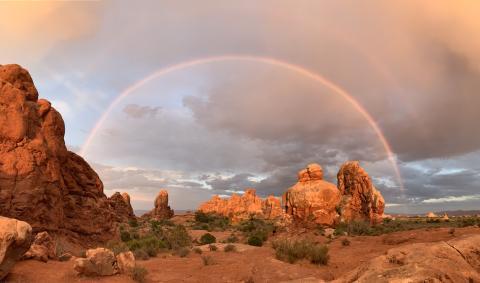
452	199
138	112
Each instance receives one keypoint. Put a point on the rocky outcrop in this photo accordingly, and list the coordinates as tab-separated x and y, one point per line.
122	209
42	182
361	201
15	239
126	262
161	210
239	208
98	262
42	248
311	199
457	260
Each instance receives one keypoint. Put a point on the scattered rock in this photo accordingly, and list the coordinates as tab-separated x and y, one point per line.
41	181
120	203
15	239
239	208
98	262
361	201
329	233
65	257
42	249
453	261
126	262
161	210
311	199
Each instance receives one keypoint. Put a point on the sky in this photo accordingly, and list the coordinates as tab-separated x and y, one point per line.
221	126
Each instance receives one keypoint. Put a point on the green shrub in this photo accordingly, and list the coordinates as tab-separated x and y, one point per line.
318	255
213	248
133	222
210	221
232	239
207	238
256	229
117	247
139	273
183	252
207	260
177	237
125	236
255	241
197	250
230	248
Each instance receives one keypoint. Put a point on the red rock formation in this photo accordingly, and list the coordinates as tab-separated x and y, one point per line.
41	181
15	240
121	206
311	199
161	210
360	200
239	208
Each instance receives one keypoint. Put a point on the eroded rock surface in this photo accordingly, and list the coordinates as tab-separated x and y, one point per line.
98	262
126	262
15	240
361	201
161	210
42	248
42	182
239	208
311	199
457	260
121	206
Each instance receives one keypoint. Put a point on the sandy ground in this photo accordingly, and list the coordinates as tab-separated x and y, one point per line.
250	264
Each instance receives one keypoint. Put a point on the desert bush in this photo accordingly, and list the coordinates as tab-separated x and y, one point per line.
207	238
125	236
213	248
318	254
177	237
294	250
466	222
210	222
140	254
232	239
229	248
133	222
197	250
207	260
150	244
139	273
345	242
256	228
182	252
117	247
254	240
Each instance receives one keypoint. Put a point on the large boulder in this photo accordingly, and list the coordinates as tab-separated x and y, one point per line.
126	262
311	199
361	201
98	262
239	208
161	210
457	260
42	182
121	206
15	239
42	248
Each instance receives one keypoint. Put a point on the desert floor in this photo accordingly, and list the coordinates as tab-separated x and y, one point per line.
247	264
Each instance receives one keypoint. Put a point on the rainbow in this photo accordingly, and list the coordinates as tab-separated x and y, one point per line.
249	58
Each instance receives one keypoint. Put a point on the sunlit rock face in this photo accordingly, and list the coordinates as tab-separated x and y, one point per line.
311	199
361	201
161	210
41	181
239	208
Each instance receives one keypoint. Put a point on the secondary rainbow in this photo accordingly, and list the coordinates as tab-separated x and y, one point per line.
258	59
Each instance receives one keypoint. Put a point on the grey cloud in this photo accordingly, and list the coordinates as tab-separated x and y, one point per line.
136	111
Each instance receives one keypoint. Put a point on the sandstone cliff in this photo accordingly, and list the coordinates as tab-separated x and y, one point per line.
42	182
